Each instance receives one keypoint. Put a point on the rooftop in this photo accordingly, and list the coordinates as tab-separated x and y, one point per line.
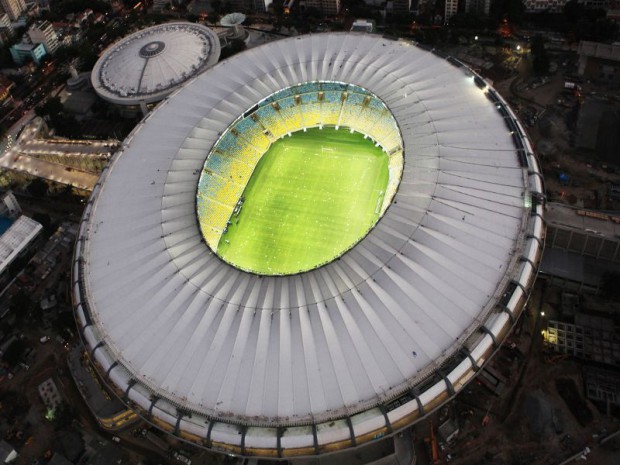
18	236
151	63
599	50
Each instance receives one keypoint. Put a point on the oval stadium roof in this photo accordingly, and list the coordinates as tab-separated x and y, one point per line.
330	358
149	64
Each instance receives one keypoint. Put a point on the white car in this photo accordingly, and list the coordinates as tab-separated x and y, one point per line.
182	458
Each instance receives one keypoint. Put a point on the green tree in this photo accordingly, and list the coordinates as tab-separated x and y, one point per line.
37	188
88	57
51	108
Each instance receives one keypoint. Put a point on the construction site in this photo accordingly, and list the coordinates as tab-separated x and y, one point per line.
532	404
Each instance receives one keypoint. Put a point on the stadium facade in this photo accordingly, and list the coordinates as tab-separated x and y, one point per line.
148	65
357	349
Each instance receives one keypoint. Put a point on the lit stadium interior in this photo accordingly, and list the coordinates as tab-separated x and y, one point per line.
308	239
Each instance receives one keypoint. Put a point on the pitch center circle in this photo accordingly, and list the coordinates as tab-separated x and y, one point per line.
300	180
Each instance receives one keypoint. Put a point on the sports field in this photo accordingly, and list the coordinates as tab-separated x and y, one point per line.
312	196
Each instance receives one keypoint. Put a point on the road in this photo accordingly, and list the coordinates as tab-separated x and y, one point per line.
11	135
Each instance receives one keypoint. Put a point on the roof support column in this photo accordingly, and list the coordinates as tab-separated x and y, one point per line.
209	430
153	402
315	438
388	424
107	373
351	432
416	395
506	310
467	353
130	384
449	385
244	430
279	433
484	329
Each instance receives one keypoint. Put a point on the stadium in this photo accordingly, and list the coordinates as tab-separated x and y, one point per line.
146	66
420	202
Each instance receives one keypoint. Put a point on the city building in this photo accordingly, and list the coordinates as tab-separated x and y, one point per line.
599	62
43	32
17	242
602	386
591	337
581	246
451	8
328	360
49	394
480	7
598	126
6	29
9	206
7	453
13	8
236	5
363	25
24	52
557	6
613	12
5	22
597	4
402	6
5	90
540	6
327	7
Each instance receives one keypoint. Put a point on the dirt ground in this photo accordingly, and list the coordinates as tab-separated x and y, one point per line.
551	135
529	423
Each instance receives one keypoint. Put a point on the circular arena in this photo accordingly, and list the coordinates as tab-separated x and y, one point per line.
335	356
147	65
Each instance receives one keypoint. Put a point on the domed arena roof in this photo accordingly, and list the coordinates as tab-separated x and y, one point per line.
149	64
332	358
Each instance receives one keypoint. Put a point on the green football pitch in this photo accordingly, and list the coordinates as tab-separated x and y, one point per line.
311	197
